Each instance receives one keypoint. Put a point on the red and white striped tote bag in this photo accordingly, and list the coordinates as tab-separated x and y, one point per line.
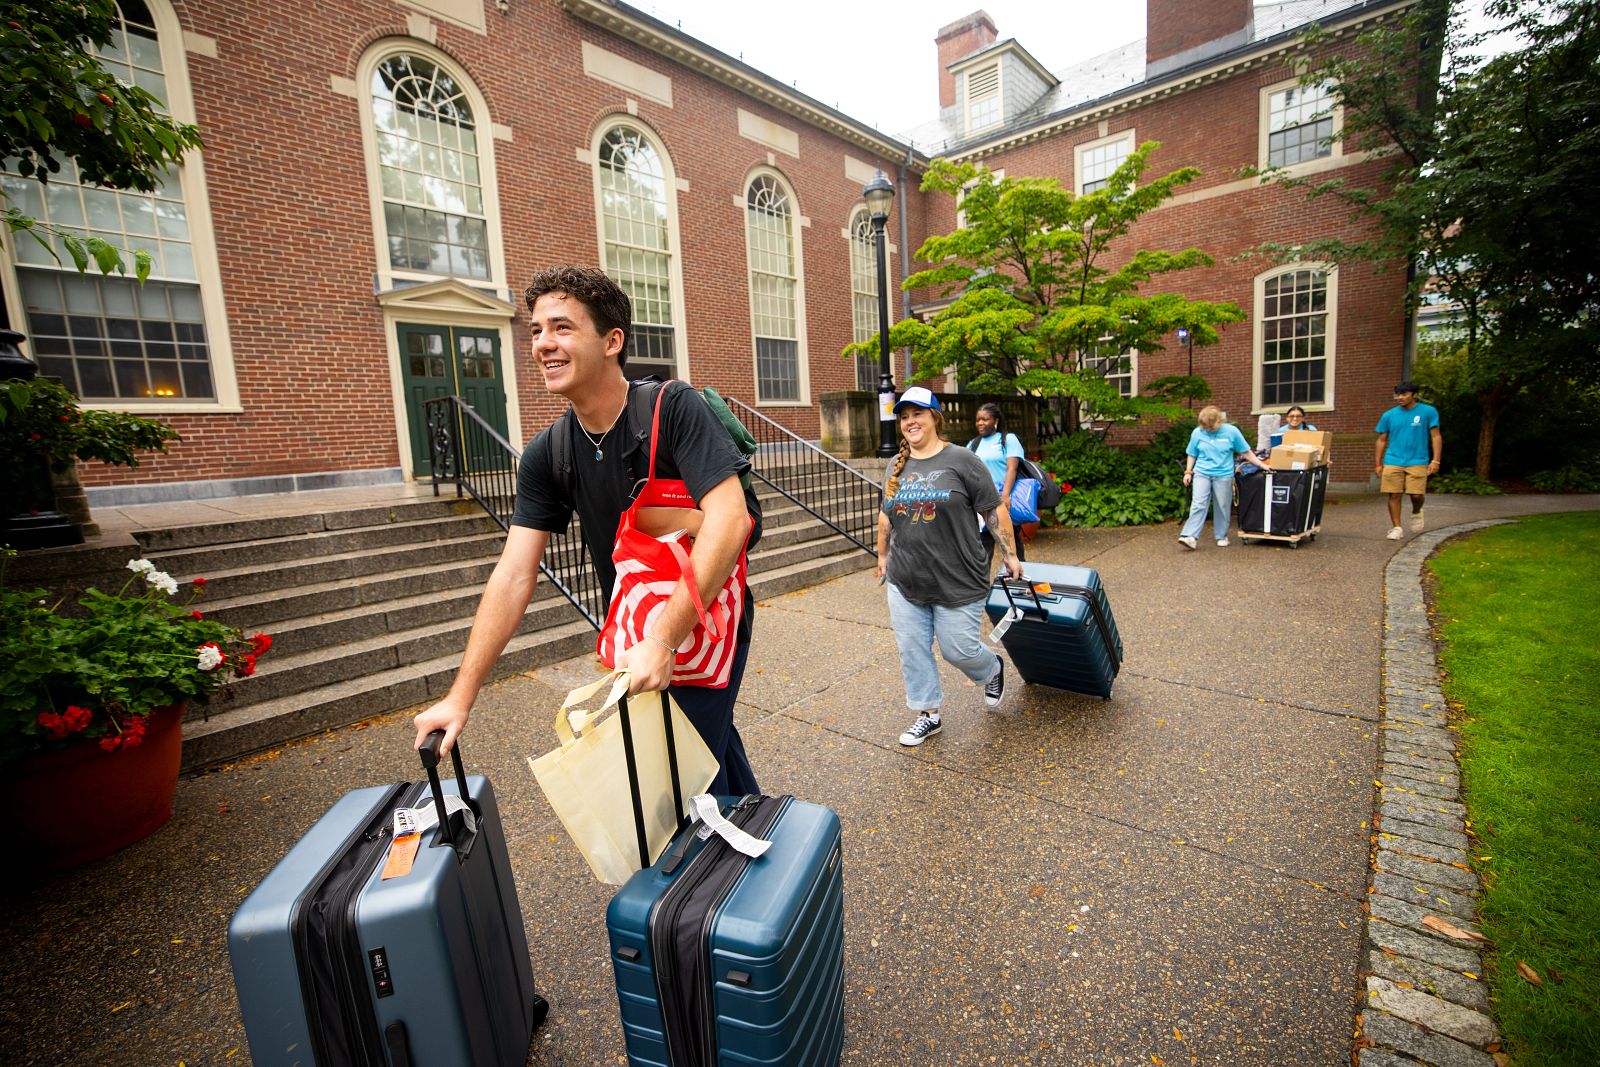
649	569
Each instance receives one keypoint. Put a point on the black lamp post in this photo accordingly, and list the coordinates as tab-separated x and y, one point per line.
1187	338
879	194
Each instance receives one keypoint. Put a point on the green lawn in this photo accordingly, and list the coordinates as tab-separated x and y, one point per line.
1521	626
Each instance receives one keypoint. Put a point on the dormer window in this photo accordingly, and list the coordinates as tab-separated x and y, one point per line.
983	97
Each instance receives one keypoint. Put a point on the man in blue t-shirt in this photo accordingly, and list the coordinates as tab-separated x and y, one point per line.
1409	447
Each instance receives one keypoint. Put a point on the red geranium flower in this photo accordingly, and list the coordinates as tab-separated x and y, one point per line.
259	643
199	581
197	615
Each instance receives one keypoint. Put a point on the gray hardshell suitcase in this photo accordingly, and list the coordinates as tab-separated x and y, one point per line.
337	967
1063	633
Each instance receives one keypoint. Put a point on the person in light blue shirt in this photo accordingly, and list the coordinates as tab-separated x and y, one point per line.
1215	448
1002	453
1409	448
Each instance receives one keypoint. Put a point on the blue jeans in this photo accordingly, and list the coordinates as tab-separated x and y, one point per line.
959	631
1218	492
711	711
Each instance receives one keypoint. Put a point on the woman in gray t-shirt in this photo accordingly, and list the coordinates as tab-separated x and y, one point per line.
937	569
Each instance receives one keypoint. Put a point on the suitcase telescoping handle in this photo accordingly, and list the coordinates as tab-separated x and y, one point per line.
633	773
430	763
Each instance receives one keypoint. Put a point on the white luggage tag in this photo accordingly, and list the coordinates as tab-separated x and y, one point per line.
1012	614
705	810
426	817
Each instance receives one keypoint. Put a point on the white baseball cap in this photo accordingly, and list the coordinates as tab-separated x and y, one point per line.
919	396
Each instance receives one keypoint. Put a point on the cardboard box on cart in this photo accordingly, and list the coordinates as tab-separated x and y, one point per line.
1295	457
1322	440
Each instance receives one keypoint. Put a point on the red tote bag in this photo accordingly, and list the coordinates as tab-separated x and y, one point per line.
649	568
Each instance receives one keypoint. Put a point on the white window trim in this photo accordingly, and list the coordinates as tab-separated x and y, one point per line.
1330	348
1263	117
1078	152
1089	417
961	216
413	306
680	338
999	96
387	275
202	242
802	357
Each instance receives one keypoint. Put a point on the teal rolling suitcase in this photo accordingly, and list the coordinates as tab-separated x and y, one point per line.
1062	633
336	966
726	961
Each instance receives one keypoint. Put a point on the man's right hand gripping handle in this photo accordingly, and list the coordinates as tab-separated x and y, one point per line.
448	715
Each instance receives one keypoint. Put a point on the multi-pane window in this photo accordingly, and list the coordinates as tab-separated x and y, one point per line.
1099	162
864	294
638	244
428	167
774	288
1299	125
1294	338
983	97
109	338
1115	365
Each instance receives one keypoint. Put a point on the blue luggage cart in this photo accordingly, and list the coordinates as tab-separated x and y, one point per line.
1063	634
723	960
337	966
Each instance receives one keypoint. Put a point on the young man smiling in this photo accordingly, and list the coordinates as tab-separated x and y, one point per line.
580	321
1408	434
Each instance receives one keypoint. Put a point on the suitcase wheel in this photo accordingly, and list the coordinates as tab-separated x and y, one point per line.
1294	544
541	1009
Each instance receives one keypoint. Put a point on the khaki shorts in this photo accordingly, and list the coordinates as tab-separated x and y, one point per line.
1412	480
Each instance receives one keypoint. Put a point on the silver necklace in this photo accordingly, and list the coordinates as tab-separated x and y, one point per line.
599	453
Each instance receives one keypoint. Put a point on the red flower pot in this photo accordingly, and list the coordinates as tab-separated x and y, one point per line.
77	802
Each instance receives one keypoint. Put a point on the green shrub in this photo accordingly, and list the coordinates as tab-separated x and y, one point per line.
1120	505
1580	476
1462	482
1083	459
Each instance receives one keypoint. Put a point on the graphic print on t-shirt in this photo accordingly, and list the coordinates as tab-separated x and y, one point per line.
919	496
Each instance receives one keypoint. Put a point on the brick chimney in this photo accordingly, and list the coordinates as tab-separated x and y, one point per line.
1180	32
959	39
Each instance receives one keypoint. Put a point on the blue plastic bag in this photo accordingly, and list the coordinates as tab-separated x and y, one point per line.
1024	501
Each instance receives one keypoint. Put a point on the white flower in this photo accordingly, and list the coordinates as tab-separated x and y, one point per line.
141	566
162	581
210	656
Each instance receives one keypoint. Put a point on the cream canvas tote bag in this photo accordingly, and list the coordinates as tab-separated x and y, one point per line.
586	778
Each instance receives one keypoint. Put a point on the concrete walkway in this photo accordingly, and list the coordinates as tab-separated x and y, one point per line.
1173	876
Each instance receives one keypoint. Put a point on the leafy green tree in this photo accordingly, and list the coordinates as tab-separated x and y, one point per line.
1034	305
1488	194
58	102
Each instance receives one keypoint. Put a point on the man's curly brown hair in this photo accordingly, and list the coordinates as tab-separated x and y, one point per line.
607	304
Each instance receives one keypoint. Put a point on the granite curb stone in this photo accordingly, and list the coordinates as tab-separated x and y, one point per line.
1423	1002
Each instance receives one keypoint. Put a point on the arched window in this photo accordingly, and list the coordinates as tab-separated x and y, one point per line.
635	199
1295	317
864	294
110	339
772	247
434	215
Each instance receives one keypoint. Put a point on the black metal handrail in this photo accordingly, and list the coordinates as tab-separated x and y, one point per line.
834	492
467	451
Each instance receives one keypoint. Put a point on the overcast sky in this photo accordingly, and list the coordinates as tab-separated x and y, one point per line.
876	60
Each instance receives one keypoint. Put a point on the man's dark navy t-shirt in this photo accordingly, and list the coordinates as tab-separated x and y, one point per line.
693	448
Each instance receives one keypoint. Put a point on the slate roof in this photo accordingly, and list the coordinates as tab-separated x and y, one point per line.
1111	74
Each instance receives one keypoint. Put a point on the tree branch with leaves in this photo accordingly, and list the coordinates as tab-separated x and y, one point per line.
1034	302
59	103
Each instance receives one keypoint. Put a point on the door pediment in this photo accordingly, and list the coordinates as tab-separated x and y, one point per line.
448	298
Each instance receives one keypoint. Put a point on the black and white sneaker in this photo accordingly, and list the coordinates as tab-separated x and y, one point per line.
995	687
925	727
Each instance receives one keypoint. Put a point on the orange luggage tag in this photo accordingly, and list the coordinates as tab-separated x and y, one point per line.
403	849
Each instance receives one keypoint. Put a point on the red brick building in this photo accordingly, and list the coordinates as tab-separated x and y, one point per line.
381	177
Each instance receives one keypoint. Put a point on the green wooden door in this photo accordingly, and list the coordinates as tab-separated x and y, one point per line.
440	361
